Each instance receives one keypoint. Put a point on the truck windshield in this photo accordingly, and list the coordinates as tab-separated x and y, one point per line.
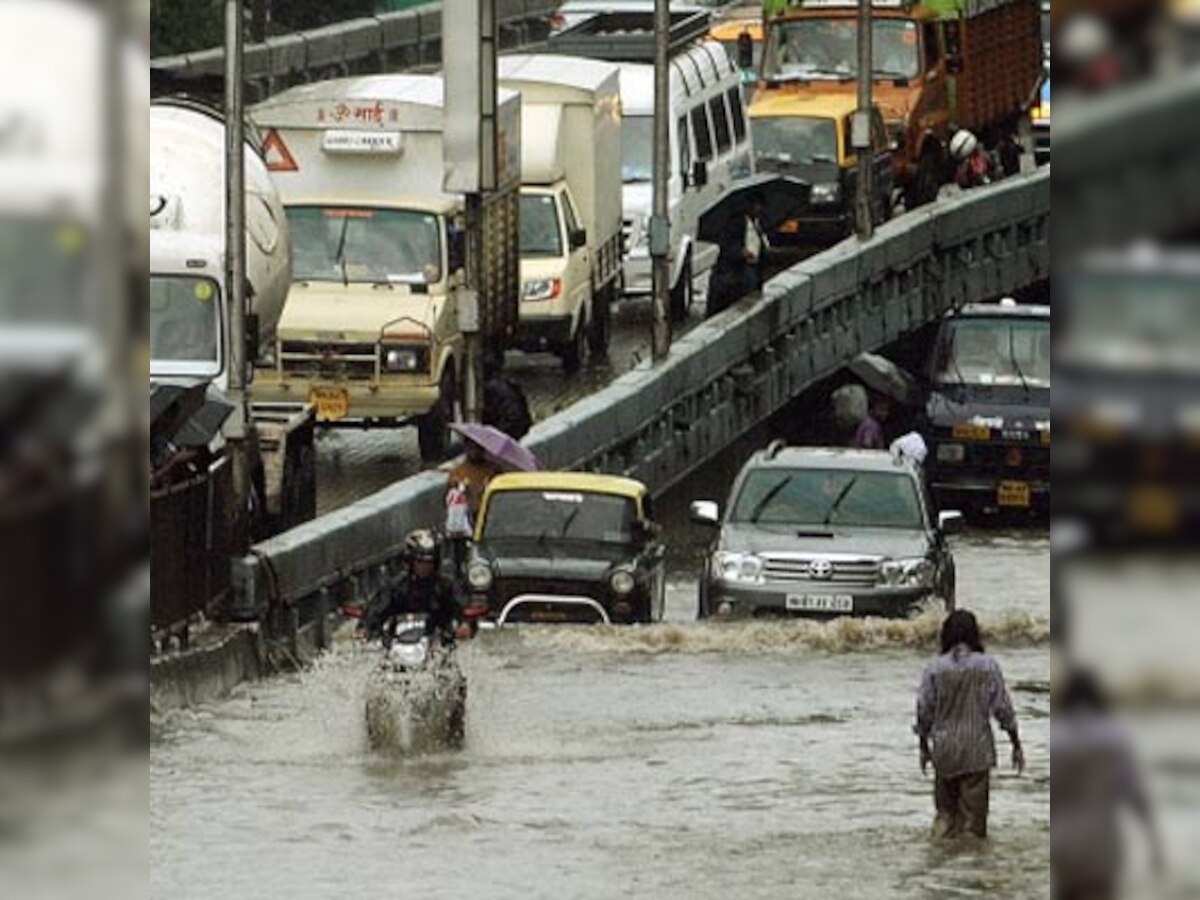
828	497
1134	322
357	244
559	515
794	140
637	148
999	351
185	319
540	232
42	272
828	48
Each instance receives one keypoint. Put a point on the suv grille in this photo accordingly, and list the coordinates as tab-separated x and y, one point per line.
800	569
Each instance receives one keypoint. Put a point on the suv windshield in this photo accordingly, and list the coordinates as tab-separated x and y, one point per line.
829	48
637	149
794	140
540	235
364	245
185	319
828	497
999	351
559	515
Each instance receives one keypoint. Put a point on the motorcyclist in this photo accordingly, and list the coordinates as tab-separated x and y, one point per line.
421	590
974	167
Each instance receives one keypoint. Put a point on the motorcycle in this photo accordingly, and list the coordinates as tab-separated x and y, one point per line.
416	698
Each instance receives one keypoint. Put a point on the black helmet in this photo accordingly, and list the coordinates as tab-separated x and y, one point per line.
422	544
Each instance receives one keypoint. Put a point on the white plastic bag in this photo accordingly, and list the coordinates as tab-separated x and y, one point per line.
458	512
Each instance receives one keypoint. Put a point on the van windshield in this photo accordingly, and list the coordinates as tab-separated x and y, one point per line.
637	148
540	234
358	244
185	319
828	48
828	497
794	140
999	351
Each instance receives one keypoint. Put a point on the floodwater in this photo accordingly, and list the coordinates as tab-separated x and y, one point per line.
682	760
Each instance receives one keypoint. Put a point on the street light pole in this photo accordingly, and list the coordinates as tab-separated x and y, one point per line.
864	225
660	243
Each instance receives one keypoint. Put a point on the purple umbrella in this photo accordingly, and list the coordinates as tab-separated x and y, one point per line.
498	445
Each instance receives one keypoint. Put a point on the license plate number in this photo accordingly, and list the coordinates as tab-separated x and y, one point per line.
1013	493
820	603
331	403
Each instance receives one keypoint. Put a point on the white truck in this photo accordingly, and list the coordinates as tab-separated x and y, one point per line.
570	202
189	319
370	334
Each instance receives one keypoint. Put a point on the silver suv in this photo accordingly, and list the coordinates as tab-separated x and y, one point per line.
826	532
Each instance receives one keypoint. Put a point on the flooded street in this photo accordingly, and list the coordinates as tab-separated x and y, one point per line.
766	759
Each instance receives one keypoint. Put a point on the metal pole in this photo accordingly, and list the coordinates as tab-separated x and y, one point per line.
862	201
235	199
660	223
472	338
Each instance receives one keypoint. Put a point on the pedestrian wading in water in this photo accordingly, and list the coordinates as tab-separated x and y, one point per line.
960	692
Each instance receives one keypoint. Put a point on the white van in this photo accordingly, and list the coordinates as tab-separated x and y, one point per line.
710	150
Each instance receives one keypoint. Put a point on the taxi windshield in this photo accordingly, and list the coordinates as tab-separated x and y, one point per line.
794	140
559	516
355	245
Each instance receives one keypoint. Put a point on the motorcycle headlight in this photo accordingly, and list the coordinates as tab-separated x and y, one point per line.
743	568
404	359
917	572
951	453
622	582
479	576
541	289
826	194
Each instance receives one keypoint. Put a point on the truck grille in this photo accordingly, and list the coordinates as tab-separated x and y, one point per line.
801	570
326	361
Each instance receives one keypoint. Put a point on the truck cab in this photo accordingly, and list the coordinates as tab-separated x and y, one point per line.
987	414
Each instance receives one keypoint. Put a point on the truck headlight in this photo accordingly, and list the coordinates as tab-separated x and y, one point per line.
479	576
404	359
745	568
917	572
622	582
541	289
951	453
826	194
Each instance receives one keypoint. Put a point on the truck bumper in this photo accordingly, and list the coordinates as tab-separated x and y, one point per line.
966	491
768	601
543	333
336	401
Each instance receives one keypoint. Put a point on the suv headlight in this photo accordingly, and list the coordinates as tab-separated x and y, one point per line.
744	568
622	582
916	572
951	453
541	289
405	358
826	194
479	576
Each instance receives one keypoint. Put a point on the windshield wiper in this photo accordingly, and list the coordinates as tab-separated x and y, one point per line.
340	259
570	521
1012	355
838	501
770	495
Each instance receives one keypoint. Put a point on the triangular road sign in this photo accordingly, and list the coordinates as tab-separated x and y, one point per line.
277	155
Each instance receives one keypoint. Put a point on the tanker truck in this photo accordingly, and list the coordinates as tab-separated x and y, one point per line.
190	322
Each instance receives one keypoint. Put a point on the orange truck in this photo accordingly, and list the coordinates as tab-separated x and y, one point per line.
937	66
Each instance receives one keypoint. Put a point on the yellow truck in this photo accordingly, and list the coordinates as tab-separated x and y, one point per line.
370	333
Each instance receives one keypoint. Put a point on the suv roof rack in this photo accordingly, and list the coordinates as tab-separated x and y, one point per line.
774	448
628	36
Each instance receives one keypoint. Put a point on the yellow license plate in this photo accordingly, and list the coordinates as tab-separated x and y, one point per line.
965	431
331	403
1153	510
1013	493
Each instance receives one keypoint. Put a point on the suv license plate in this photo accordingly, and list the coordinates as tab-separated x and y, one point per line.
820	603
331	403
1013	493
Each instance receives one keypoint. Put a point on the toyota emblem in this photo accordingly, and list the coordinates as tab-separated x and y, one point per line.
820	570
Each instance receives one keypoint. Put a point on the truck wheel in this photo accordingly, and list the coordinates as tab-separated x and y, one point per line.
575	350
926	183
683	292
433	428
600	330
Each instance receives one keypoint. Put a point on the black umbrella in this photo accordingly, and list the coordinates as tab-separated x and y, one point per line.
783	198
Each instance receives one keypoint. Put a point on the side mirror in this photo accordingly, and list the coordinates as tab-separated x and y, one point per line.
578	238
456	248
705	512
699	174
951	521
645	531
